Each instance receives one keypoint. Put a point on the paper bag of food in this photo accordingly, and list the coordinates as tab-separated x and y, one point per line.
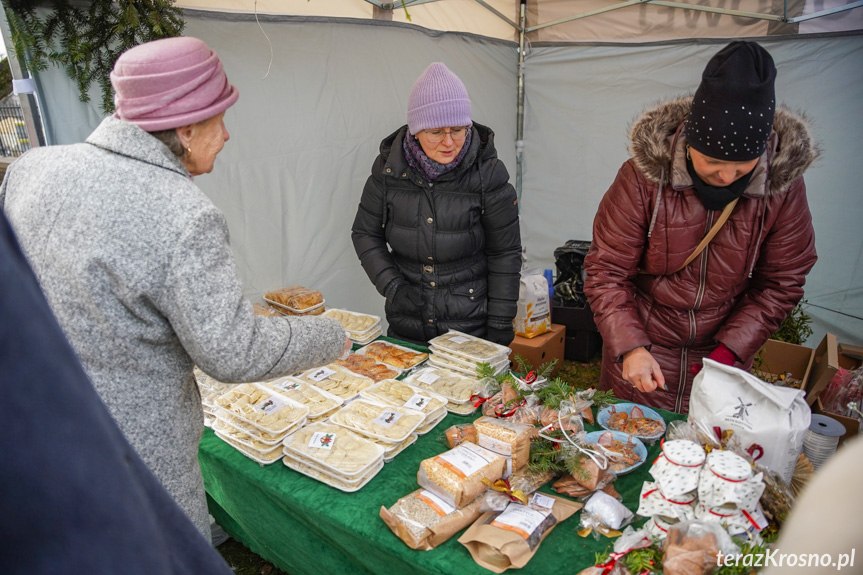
533	314
423	520
500	540
769	421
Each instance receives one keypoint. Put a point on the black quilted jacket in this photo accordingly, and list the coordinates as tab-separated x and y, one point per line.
457	239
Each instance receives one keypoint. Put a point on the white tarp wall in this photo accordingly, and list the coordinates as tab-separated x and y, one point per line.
311	115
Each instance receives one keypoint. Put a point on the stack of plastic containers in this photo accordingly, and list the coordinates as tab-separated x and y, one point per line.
390	427
336	380
255	420
462	353
321	403
456	388
209	389
333	455
400	394
361	328
296	300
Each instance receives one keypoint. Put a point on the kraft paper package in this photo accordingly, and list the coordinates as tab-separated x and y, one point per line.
456	476
533	312
501	540
423	520
769	421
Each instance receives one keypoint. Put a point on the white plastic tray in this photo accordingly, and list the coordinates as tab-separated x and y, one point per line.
333	460
307	311
418	356
432	421
402	394
470	347
316	399
461	408
455	387
367	339
231	398
451	358
337	380
378	420
384	371
391	453
264	458
245	427
338	483
236	431
352	333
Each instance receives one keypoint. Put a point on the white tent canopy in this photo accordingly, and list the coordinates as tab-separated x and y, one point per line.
322	82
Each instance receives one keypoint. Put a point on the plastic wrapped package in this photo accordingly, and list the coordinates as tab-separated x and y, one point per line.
423	520
256	443
458	434
339	482
470	347
457	475
455	387
393	355
440	358
367	366
604	510
267	310
263	457
508	539
432	420
384	422
262	408
210	388
512	440
393	449
400	394
295	298
337	380
249	429
358	325
317	400
691	547
335	449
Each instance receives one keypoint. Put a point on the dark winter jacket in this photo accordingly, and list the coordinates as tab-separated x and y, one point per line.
456	239
737	291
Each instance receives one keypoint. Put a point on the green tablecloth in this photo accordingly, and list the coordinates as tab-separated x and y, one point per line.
306	527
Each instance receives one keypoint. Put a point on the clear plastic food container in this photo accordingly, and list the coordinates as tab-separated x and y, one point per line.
384	422
455	387
337	380
470	347
342	484
262	457
249	429
368	338
401	394
367	366
239	431
391	452
432	420
297	299
358	325
446	359
316	399
334	448
396	356
262	408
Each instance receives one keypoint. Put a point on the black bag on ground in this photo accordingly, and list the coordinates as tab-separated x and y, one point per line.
569	284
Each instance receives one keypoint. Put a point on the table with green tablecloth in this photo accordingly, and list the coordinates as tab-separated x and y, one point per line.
304	526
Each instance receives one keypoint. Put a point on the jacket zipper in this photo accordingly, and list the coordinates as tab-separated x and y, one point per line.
681	380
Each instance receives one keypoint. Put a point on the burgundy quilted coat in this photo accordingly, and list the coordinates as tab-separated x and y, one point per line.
737	291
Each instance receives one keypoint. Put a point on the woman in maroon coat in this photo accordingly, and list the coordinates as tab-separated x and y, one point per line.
690	158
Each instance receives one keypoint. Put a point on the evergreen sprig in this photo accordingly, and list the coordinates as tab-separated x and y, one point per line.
86	39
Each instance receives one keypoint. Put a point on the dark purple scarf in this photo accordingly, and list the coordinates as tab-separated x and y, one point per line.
418	160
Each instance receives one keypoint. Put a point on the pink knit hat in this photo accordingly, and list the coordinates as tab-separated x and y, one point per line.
170	83
438	100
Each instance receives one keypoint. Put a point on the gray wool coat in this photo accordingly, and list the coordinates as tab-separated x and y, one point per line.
136	264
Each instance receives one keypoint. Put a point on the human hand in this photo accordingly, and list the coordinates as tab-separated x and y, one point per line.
348	346
720	354
407	300
642	371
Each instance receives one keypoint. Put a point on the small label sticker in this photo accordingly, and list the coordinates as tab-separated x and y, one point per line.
520	519
428	377
459	339
388	418
437	504
495	445
321	440
270	405
544	501
466	459
289	385
320	374
417	401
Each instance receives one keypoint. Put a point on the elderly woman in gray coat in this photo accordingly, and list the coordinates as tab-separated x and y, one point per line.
135	262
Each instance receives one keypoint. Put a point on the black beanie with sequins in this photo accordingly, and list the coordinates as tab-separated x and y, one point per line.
732	111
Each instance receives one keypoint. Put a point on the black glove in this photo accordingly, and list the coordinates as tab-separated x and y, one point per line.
501	335
407	300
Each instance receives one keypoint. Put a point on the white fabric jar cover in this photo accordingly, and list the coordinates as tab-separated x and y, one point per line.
654	502
727	479
678	467
736	521
657	527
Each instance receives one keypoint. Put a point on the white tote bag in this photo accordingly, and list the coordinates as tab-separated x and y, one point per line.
769	421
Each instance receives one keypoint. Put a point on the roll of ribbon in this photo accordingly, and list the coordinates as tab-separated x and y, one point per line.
822	439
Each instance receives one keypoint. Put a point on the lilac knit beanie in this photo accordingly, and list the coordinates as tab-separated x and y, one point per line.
438	99
170	83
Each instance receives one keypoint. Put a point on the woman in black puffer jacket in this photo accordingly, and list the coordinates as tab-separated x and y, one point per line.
437	227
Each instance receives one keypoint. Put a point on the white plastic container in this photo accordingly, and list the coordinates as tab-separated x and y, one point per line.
379	421
335	449
262	408
357	325
401	394
235	432
337	380
262	457
470	347
316	399
346	485
455	387
396	356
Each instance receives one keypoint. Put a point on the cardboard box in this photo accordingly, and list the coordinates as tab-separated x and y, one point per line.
825	364
852	424
542	348
777	357
847	357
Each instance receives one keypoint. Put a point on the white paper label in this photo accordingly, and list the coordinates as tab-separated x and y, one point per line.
322	440
388	418
541	500
289	385
495	445
439	506
320	374
271	405
520	519
465	459
459	339
428	377
417	401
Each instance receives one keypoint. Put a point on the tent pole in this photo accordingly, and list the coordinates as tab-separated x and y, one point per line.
519	121
27	99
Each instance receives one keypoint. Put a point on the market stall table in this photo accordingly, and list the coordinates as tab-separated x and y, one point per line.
303	526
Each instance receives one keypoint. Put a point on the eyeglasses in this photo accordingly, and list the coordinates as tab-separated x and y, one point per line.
437	136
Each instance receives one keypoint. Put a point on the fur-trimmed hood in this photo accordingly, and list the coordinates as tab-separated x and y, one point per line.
652	134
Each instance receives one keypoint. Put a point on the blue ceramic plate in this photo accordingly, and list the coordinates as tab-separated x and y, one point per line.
605	413
640	449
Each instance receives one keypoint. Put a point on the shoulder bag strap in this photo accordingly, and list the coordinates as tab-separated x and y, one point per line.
726	212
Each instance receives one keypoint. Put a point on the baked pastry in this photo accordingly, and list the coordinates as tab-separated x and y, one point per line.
296	297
